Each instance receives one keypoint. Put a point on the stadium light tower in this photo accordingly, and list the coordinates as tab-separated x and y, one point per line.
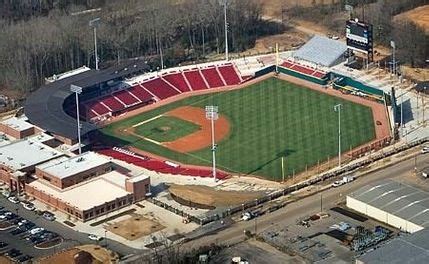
77	90
212	115
94	24
225	3
337	108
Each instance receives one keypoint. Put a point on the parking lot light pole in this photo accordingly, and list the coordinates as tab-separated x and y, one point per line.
337	108
77	90
212	115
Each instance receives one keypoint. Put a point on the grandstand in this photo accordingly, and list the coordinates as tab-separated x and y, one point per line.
160	86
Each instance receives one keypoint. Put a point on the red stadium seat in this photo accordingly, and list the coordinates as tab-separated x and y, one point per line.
160	88
195	80
178	81
229	75
212	77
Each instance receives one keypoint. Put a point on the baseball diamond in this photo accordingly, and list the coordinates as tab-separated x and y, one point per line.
268	120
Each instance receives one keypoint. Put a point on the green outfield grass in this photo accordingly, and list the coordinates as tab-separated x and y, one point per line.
166	129
269	120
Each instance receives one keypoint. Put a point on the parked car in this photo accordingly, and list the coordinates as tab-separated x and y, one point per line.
36	230
17	231
5	194
5	215
29	206
425	150
94	237
48	216
13	199
3	244
24	258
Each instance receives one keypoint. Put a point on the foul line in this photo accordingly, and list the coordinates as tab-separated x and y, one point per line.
147	121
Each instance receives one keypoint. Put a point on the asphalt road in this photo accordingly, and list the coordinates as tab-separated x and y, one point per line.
307	206
71	237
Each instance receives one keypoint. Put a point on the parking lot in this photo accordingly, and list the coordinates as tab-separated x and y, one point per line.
22	239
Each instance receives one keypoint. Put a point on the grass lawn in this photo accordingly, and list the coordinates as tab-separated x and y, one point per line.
269	120
166	129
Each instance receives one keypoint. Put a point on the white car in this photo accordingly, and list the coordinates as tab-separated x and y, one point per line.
3	216
29	206
425	150
13	199
94	237
23	222
36	230
337	183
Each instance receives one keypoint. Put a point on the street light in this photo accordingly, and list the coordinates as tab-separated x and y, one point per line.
337	108
212	115
95	23
225	2
77	90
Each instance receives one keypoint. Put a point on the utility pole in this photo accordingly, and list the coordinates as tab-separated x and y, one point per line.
283	169
95	23
337	108
225	2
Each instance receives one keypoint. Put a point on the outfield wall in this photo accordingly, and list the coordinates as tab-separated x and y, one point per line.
343	81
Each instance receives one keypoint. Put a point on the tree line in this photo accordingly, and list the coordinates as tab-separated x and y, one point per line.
45	37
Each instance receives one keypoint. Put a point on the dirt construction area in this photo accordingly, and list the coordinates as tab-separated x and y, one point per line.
208	196
419	15
134	227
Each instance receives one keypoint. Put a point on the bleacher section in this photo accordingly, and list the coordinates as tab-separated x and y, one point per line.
162	86
158	165
178	81
112	104
229	75
212	77
304	72
195	80
126	98
140	93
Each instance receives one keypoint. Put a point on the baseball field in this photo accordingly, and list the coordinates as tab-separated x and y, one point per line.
257	127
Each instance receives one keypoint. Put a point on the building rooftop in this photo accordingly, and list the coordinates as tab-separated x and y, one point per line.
86	195
322	51
24	153
42	137
66	167
17	123
412	248
398	199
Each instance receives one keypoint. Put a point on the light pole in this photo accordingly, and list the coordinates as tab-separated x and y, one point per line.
337	108
77	90
212	115
225	2
95	23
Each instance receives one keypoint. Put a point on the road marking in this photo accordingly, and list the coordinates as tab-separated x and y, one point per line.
147	121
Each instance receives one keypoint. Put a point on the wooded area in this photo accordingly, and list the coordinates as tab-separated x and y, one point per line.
44	37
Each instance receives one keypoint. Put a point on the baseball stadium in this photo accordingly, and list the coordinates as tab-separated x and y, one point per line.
278	115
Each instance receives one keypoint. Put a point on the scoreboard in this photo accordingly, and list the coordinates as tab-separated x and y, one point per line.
359	36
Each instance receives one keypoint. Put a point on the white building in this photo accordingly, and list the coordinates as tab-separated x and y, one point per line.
394	203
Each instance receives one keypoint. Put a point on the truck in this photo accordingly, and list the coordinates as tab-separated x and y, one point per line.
344	180
347	179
